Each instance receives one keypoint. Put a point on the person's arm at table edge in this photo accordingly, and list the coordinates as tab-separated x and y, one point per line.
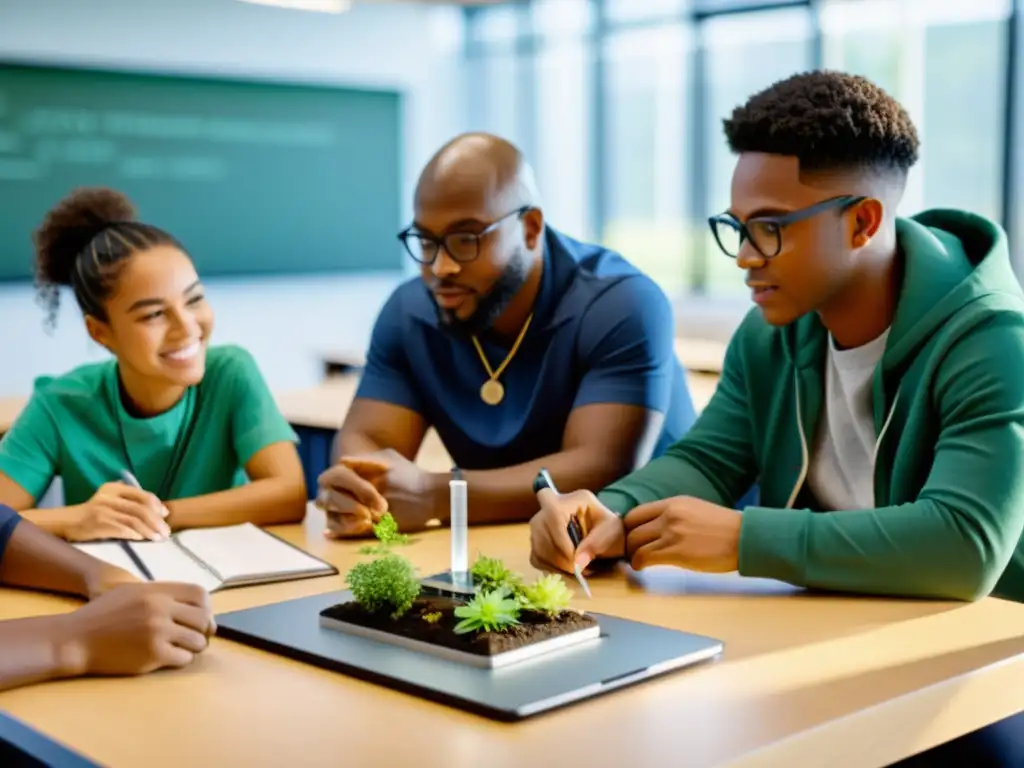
55	520
955	540
274	495
38	649
36	559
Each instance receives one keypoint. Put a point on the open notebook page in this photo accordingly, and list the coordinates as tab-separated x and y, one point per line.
113	553
246	551
168	562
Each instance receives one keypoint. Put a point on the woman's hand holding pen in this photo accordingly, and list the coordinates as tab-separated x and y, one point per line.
119	511
551	549
358	490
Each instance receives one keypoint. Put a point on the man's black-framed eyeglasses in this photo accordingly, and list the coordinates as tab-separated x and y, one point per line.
461	246
764	233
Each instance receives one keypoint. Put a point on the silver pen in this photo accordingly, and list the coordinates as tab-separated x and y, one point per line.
543	481
130	479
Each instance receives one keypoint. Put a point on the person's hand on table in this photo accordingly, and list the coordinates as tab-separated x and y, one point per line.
551	548
357	491
133	629
119	511
107	577
685	532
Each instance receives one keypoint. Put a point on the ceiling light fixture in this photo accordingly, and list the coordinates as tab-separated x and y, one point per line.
323	6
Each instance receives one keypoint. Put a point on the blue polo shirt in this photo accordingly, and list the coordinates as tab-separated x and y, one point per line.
9	520
602	332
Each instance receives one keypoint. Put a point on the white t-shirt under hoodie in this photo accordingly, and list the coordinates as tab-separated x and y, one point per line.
842	466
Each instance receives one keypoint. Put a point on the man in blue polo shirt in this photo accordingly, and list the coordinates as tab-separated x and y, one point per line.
522	347
127	628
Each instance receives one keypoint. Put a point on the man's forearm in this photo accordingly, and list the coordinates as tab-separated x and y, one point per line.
34	650
36	559
352	443
506	495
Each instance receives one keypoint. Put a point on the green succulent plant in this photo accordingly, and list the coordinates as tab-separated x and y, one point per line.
548	595
388	583
493	611
490	574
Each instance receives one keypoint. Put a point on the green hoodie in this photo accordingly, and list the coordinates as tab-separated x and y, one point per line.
948	398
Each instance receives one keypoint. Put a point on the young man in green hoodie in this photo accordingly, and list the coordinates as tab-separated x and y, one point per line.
876	392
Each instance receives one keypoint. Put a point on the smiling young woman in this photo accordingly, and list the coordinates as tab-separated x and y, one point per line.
171	432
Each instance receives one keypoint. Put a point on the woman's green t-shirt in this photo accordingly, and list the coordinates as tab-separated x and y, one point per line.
76	427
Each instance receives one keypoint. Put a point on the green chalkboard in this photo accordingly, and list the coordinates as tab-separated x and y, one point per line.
254	178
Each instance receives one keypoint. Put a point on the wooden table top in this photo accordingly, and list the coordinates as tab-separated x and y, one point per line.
866	681
324	405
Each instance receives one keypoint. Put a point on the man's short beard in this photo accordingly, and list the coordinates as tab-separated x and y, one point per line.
493	303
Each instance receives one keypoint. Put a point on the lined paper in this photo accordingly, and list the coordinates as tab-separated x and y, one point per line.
246	551
113	553
168	562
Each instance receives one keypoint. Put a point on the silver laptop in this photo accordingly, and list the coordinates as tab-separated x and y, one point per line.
627	652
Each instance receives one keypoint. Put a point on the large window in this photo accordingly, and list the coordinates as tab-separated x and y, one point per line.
619	105
564	87
645	157
744	53
945	61
499	82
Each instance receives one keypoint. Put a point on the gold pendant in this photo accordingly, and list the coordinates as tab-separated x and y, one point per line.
492	392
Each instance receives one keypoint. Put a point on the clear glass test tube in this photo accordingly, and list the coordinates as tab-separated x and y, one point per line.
459	526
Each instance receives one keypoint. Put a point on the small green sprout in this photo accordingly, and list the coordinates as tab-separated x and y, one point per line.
493	611
387	583
432	618
491	574
386	531
548	594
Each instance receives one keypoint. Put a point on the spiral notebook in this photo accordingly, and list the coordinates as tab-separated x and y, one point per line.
214	558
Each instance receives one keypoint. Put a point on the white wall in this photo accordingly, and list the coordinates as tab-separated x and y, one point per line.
284	322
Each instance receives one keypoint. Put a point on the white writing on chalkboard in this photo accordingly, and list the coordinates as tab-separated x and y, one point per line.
152	125
79	136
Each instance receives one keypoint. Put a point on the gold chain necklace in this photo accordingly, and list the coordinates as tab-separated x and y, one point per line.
492	392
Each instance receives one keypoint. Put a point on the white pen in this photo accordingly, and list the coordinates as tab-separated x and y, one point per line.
543	482
130	479
133	481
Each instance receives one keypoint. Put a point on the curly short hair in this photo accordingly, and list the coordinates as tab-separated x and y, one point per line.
828	121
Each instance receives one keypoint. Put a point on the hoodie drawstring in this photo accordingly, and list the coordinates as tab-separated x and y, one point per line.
804	453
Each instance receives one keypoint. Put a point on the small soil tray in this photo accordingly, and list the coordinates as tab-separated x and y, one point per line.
535	635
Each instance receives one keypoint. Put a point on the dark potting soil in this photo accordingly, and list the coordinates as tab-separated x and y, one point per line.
532	628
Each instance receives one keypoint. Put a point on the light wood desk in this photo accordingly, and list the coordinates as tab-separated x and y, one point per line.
324	406
10	408
864	681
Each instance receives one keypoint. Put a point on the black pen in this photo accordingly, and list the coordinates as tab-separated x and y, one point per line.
574	529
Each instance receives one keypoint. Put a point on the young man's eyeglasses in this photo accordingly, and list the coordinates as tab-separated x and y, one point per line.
461	246
765	232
